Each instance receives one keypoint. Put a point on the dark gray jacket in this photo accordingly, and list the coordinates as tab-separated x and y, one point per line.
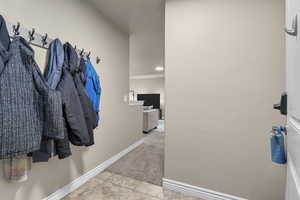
28	108
52	74
73	113
71	64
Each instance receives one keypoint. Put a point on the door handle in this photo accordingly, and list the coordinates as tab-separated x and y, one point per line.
294	30
282	106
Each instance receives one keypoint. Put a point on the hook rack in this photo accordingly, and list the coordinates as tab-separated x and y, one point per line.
39	40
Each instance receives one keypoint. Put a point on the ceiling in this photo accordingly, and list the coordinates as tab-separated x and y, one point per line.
144	21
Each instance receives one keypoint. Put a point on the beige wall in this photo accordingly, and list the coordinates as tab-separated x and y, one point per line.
150	86
224	71
146	37
147	49
121	125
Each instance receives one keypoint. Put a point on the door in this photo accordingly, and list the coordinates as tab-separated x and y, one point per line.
293	91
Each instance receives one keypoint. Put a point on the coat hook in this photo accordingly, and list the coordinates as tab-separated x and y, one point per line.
44	39
82	52
75	47
16	29
88	55
31	35
98	60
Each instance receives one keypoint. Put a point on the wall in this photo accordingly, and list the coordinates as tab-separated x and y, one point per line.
224	71
121	125
147	49
150	86
146	37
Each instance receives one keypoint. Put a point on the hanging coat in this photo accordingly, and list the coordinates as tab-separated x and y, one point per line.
75	123
71	64
92	86
52	74
91	117
28	108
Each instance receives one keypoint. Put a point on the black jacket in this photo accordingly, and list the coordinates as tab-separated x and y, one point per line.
71	64
90	114
73	113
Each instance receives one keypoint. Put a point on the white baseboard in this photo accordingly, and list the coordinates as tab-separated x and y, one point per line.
67	189
197	191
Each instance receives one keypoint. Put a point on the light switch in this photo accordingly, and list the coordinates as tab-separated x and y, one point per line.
125	98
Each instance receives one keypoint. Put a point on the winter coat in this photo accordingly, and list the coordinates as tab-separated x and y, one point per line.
71	64
28	107
92	86
52	75
91	117
73	113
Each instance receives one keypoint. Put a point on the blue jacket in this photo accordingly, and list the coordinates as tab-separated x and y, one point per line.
92	86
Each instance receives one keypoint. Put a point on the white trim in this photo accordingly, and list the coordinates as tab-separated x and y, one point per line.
67	189
149	76
291	166
294	122
197	191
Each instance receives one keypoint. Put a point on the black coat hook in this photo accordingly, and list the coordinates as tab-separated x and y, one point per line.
75	47
88	55
31	35
16	29
98	60
44	39
82	52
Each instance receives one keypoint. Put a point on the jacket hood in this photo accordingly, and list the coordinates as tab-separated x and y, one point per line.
70	58
57	52
4	36
55	63
4	43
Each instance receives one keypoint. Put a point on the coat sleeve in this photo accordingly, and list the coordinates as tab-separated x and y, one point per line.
97	88
62	147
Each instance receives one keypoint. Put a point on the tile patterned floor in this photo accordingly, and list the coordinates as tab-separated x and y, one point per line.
130	178
110	186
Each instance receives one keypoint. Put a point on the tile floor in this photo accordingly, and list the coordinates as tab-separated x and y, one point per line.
130	178
110	186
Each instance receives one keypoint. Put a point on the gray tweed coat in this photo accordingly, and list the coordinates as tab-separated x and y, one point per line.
28	108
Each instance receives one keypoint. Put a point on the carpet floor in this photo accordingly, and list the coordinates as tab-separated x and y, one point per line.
146	162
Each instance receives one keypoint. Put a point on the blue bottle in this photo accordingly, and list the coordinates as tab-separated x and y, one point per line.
277	145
